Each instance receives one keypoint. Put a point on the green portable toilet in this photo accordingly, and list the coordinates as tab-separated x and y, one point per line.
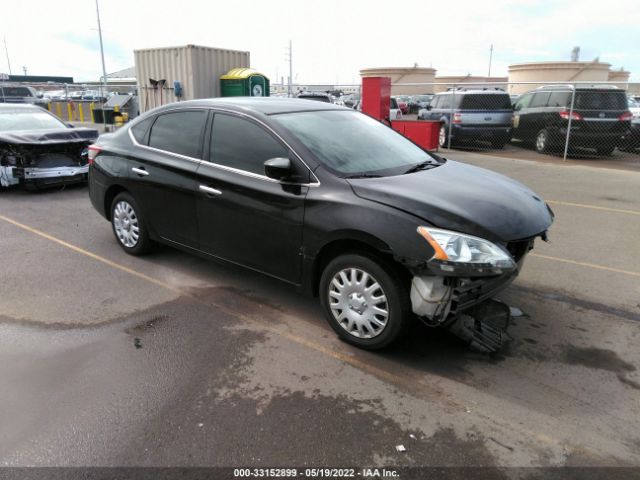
244	82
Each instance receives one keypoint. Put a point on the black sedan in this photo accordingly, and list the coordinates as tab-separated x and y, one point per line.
324	198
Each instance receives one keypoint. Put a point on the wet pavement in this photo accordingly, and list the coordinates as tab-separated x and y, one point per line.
169	360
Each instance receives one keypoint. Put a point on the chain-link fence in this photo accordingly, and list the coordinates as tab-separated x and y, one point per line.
568	120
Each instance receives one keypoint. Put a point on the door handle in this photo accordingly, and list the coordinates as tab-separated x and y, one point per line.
140	171
209	190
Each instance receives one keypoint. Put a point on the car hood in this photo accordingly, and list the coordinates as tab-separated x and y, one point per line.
59	135
463	198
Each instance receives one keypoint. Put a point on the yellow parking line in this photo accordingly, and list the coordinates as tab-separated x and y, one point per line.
585	264
385	375
594	207
89	254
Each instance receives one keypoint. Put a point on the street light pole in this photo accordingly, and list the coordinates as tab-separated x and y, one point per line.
104	69
6	51
490	58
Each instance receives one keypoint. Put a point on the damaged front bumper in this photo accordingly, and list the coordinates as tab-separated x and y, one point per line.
465	304
38	177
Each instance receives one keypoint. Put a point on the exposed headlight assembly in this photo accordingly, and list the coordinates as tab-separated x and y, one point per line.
458	252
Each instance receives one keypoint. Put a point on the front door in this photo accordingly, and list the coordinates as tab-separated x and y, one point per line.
243	216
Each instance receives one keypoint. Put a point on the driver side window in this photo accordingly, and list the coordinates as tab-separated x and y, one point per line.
242	144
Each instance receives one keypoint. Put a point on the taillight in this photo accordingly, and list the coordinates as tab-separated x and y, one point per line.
457	118
566	114
94	150
626	117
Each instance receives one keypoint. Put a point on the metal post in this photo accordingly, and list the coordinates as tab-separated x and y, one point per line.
490	58
290	67
453	102
6	51
566	142
104	69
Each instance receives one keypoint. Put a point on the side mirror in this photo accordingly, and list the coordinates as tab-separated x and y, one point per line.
278	168
71	125
40	95
428	107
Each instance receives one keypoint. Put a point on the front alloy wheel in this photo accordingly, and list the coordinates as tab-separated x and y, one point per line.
542	142
366	300
358	303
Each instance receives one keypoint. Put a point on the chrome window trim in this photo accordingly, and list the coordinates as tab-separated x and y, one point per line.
225	167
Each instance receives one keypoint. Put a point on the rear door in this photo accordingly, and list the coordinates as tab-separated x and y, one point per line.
486	110
601	110
162	175
243	216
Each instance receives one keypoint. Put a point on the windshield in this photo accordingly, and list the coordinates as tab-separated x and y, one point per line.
15	120
351	144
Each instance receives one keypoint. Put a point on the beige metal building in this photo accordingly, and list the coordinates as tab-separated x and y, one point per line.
470	81
197	68
404	75
569	71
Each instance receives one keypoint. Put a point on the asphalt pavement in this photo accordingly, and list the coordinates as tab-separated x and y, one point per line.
170	360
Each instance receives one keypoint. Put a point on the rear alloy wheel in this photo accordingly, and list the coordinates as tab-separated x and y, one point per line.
363	301
128	225
542	141
443	136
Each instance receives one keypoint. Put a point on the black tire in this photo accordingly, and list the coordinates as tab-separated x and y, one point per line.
143	244
499	144
393	285
542	141
443	136
605	151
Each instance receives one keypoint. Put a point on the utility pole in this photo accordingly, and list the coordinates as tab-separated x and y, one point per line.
104	69
6	51
290	58
24	69
490	58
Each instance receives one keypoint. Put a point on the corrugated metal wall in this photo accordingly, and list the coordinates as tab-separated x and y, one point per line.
197	68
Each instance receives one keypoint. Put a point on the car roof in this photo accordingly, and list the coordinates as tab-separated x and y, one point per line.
264	105
19	106
474	91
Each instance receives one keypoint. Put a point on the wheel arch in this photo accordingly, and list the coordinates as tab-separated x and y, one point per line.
349	242
109	195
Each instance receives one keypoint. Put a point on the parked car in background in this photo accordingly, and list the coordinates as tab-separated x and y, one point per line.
351	100
22	94
419	102
403	103
471	116
631	141
328	200
39	150
394	111
600	117
317	96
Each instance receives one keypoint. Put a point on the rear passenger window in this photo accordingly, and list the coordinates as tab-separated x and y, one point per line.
540	99
179	132
559	99
445	101
140	129
241	144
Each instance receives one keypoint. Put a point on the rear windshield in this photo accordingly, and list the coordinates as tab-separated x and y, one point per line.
600	101
16	92
486	102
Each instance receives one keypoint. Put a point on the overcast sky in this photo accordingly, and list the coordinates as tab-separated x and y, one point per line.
332	39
